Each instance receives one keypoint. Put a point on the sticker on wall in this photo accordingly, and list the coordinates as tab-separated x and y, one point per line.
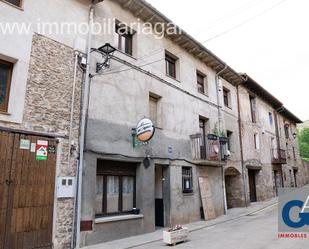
41	150
24	144
51	149
33	147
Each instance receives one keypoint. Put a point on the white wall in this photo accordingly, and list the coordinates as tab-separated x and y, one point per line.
17	48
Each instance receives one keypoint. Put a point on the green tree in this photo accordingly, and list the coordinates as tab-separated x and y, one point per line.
303	137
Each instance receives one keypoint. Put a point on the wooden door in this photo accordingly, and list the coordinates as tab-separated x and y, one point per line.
28	195
207	200
6	150
159	204
252	186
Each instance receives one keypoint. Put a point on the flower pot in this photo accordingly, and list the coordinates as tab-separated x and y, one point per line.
174	237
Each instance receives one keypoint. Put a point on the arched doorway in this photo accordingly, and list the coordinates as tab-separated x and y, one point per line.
233	187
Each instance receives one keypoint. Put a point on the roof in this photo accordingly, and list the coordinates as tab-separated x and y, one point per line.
145	11
256	88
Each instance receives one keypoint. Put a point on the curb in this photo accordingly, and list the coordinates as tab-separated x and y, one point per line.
252	213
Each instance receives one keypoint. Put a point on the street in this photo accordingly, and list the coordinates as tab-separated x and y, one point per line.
257	231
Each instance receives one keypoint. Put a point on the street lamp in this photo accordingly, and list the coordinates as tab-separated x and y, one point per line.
107	52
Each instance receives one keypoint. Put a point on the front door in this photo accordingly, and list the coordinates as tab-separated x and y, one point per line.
159	204
252	186
295	177
26	192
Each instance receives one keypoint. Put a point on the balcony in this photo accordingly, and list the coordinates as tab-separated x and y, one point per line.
208	148
278	156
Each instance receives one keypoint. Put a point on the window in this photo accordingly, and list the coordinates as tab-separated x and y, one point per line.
115	188
288	150
6	69
187	180
170	65
125	38
287	131
201	83
229	135
256	141
253	109
153	109
14	2
270	117
294	153
227	97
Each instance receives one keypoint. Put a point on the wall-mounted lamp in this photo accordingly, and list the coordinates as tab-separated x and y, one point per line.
107	52
294	135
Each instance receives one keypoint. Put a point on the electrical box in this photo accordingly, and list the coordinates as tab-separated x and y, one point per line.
65	187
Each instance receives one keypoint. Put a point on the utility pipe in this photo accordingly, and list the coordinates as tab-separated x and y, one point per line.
220	128
241	147
70	135
85	104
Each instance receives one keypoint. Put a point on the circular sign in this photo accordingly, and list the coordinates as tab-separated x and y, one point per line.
145	130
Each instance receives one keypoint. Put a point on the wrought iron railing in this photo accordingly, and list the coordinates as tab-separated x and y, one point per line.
278	156
207	147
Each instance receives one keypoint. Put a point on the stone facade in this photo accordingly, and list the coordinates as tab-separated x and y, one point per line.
47	111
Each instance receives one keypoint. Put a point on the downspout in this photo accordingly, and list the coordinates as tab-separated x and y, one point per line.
241	147
220	128
70	135
218	97
278	110
85	104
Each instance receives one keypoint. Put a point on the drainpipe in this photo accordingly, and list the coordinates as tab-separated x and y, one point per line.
241	148
83	128
71	132
220	128
218	97
276	112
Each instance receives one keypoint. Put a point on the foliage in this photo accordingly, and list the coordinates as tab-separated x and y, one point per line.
303	137
218	132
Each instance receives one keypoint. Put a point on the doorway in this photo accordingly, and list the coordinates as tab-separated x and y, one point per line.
295	177
26	192
159	203
252	185
278	183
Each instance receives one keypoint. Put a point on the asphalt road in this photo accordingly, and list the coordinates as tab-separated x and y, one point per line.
258	231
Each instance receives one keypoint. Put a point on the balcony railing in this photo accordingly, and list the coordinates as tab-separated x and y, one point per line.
278	156
207	148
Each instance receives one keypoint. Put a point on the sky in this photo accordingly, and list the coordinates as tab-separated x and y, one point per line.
267	39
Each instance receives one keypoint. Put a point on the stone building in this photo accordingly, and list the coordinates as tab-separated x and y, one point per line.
36	85
181	89
217	132
269	143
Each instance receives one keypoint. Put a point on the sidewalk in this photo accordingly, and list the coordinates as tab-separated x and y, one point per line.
233	214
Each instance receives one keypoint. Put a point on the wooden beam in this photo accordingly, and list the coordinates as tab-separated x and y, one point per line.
137	14
151	18
126	5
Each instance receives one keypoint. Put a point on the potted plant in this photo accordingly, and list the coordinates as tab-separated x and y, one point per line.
176	234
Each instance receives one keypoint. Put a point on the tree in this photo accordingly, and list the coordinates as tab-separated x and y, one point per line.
303	137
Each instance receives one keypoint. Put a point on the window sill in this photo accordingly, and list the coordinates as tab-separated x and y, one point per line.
124	53
5	113
204	94
172	78
118	218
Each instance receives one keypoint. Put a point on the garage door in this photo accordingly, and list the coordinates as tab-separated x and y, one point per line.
27	182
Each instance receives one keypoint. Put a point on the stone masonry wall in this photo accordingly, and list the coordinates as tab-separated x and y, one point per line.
47	110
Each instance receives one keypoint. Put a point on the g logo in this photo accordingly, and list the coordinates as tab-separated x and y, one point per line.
303	217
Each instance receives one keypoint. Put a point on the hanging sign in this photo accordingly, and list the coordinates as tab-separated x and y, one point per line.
145	130
41	150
